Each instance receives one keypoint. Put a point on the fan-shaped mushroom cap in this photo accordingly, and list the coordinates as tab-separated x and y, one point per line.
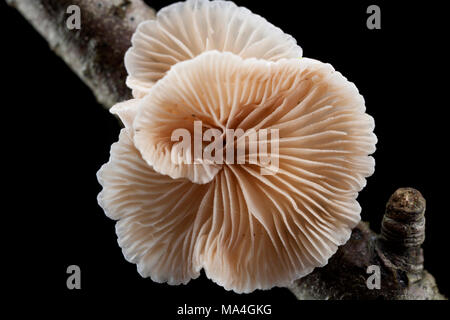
156	214
126	111
246	230
183	30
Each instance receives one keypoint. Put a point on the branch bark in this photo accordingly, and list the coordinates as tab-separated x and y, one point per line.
95	53
396	251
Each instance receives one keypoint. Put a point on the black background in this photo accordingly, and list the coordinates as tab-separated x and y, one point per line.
57	136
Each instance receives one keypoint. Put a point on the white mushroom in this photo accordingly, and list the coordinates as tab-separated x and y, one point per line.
184	30
246	230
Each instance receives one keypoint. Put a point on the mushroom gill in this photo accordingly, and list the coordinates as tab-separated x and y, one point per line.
246	230
184	30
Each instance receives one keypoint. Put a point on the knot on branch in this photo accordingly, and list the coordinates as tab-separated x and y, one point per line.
403	229
404	221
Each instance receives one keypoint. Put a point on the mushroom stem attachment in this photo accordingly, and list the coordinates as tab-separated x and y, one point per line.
403	230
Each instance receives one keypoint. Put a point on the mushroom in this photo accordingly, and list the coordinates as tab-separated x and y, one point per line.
246	230
183	30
